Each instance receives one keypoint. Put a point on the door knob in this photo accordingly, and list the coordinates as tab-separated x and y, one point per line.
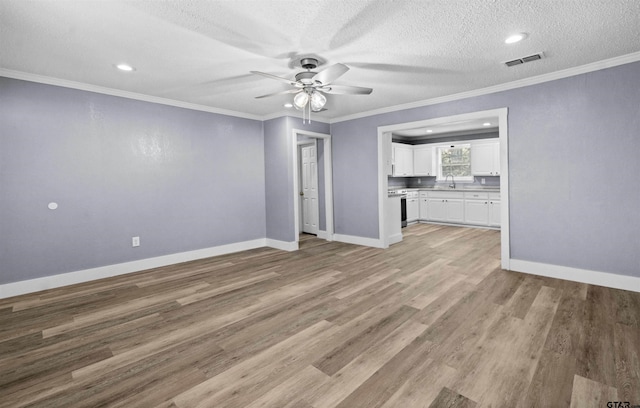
301	193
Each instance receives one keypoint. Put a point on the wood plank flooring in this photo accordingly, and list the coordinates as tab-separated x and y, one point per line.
431	322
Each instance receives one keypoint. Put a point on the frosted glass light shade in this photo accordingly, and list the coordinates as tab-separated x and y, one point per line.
300	100
318	101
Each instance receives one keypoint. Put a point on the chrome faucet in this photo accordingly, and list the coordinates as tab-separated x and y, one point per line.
453	183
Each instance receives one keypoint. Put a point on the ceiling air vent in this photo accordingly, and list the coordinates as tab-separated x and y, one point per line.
522	60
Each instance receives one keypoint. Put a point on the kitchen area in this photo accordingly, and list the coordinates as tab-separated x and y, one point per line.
444	175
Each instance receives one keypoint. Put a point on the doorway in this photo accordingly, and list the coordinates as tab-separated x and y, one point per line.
324	183
384	164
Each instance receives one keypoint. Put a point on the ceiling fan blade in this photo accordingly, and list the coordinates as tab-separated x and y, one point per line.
347	90
290	91
330	74
277	78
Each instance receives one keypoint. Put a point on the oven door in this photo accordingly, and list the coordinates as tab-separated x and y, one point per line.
403	210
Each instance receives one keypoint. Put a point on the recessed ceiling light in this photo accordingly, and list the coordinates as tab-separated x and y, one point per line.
429	131
125	67
486	124
515	38
288	105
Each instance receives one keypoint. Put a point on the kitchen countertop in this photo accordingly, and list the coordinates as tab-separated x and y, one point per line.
461	189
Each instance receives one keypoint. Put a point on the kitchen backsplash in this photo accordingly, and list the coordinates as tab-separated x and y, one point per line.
412	182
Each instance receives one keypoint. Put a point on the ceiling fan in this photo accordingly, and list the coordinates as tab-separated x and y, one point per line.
310	86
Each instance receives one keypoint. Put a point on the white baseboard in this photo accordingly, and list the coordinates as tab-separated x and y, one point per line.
394	239
283	245
324	235
609	280
86	275
352	239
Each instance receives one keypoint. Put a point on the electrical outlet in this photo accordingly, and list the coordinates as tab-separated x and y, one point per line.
419	181
135	241
482	180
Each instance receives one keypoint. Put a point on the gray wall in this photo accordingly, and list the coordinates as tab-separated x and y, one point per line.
278	151
573	168
185	180
180	179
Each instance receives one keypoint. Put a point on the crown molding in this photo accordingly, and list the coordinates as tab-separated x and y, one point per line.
552	76
25	76
292	114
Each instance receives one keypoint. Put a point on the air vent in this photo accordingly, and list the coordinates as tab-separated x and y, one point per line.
522	60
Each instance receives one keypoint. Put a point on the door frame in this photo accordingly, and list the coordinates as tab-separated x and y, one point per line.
328	183
383	185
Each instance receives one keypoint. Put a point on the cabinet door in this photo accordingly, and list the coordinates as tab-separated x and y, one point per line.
437	209
494	213
423	161
424	206
403	160
476	212
455	210
482	159
412	209
496	159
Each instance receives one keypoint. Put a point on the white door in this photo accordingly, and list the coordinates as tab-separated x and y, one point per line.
309	191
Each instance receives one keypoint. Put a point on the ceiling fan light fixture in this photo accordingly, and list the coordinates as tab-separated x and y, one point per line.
318	101
300	100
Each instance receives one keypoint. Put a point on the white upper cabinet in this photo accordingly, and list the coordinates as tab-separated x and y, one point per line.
402	160
423	161
485	158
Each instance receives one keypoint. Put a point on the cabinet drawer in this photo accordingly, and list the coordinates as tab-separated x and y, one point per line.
424	194
476	196
494	196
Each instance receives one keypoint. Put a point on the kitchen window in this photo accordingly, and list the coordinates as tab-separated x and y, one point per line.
454	160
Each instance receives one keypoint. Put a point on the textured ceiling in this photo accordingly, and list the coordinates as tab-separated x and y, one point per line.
201	52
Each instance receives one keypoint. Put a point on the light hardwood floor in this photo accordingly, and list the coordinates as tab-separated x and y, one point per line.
431	322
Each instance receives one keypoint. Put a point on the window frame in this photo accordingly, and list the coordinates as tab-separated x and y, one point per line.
439	148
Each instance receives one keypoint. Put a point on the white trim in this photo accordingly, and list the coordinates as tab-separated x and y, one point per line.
292	114
394	239
86	275
122	94
352	239
324	235
505	231
606	279
328	181
283	245
551	76
501	114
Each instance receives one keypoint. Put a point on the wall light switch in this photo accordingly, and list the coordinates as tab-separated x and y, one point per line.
135	241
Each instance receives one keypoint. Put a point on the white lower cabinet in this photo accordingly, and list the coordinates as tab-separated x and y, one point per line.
437	209
494	213
445	207
412	209
472	208
424	206
476	212
482	209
